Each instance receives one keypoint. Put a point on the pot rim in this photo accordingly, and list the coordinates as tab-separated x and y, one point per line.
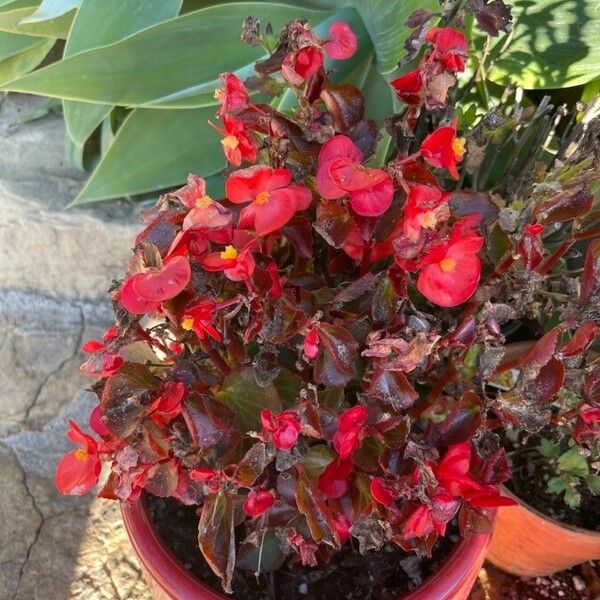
172	577
545	517
519	348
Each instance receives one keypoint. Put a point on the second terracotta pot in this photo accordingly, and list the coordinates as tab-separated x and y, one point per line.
169	580
528	543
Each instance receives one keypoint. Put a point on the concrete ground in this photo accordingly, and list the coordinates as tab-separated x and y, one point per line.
55	268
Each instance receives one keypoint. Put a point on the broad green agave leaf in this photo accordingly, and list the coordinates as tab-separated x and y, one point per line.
155	149
99	23
15	66
51	9
13	16
162	60
12	44
167	73
555	44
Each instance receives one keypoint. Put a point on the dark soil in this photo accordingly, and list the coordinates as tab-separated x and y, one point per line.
531	473
383	575
581	582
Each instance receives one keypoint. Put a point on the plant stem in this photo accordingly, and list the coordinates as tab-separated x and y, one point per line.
549	263
216	358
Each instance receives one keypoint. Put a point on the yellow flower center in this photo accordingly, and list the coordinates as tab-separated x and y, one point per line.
448	265
187	323
458	147
81	454
428	220
229	253
204	202
262	197
230	142
218	93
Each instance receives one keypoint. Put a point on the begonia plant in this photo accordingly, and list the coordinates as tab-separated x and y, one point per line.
309	355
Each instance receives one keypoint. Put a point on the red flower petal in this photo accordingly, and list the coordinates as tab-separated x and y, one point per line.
381	492
96	423
190	193
276	211
333	482
409	87
374	201
77	472
257	503
353	417
342	43
165	283
232	95
133	302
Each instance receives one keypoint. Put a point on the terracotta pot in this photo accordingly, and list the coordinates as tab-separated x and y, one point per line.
528	543
169	580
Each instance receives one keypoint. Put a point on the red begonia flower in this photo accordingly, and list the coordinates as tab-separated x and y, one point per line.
534	229
164	283
333	481
96	423
198	318
311	343
237	143
443	149
257	503
301	65
102	363
382	492
349	432
425	208
341	172
342	42
235	265
342	526
134	302
273	201
193	191
168	404
425	520
450	272
232	95
284	428
450	47
409	87
203	474
78	471
589	414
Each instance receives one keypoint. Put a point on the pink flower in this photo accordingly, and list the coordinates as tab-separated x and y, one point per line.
425	208
198	318
450	47
311	344
382	492
78	471
342	43
333	482
349	431
237	143
232	95
257	503
342	173
443	149
237	266
273	201
284	428
409	87
301	65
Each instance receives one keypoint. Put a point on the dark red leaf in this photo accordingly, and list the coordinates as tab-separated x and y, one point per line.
392	387
590	279
564	207
583	337
345	104
335	362
299	233
333	222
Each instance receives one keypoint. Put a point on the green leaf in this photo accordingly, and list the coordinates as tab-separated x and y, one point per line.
317	459
160	147
21	63
51	9
555	44
572	498
573	462
264	558
12	44
556	485
13	20
99	24
385	23
182	56
593	483
241	393
549	448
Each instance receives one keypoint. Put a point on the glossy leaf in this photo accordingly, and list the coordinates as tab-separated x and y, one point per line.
335	361
12	44
15	66
51	9
15	20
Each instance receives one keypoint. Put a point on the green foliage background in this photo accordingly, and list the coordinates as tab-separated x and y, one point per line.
142	72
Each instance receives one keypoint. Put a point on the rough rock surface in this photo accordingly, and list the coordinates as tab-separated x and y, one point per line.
56	267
